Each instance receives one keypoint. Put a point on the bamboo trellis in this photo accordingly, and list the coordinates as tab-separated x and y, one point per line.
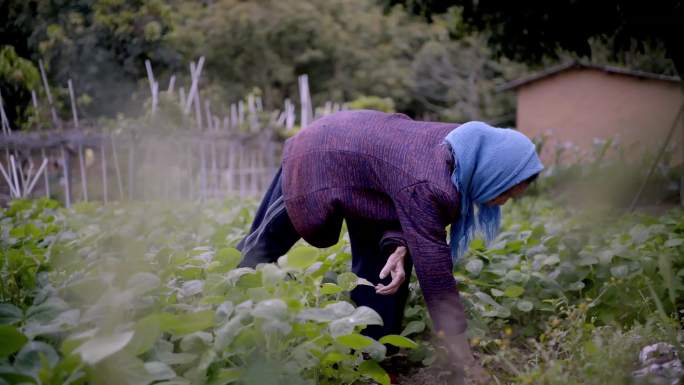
77	166
216	158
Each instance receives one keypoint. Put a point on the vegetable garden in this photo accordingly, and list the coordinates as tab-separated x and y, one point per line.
97	105
141	293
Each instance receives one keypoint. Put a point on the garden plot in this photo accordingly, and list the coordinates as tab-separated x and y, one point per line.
149	293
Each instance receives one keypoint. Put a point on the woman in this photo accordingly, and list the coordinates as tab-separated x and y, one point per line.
398	183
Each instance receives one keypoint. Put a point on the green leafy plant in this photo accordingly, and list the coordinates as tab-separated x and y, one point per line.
150	292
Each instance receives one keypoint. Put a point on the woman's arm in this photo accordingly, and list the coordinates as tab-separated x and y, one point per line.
423	228
423	224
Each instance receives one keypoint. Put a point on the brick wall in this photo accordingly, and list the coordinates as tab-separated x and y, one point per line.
579	105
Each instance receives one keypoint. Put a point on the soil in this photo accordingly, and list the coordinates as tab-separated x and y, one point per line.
405	372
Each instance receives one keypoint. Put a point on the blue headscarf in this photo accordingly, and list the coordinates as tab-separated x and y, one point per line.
488	161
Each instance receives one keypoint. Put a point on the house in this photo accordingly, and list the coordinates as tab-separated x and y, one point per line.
577	103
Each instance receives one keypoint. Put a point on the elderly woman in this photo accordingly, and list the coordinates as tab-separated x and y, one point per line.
398	183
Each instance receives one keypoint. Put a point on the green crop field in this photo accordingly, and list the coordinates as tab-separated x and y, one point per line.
142	293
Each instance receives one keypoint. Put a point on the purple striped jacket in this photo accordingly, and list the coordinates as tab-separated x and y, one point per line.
373	165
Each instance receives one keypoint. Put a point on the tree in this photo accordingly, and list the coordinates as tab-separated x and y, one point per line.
456	80
349	48
18	77
100	44
529	30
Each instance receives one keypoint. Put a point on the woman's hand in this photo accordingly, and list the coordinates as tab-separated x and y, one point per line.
395	267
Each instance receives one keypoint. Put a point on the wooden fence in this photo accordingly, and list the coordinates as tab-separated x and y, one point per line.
74	166
214	157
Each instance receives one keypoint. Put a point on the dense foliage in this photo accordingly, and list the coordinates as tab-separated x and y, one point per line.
138	293
101	45
349	49
530	31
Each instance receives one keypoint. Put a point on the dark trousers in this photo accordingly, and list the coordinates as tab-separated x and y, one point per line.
272	235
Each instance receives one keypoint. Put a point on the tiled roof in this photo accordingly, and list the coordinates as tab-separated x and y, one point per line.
575	64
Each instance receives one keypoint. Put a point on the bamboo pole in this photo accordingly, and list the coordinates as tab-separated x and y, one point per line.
154	86
195	72
172	84
198	111
290	115
305	100
7	180
10	182
32	184
233	116
74	113
34	101
81	163
29	174
251	113
55	119
241	112
22	179
84	177
46	177
14	176
103	162
131	169
117	169
67	178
